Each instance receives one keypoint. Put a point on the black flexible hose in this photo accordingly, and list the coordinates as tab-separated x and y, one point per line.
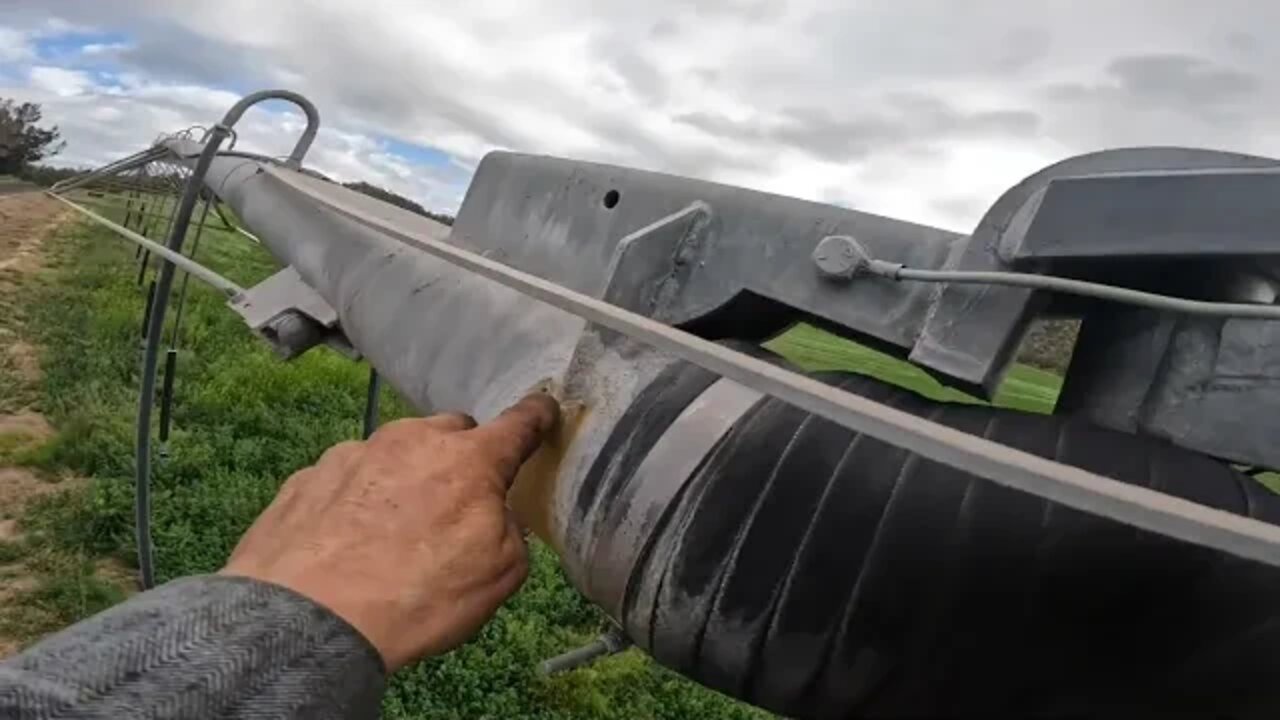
820	573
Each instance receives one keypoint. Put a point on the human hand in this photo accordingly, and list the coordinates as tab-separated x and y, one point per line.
406	536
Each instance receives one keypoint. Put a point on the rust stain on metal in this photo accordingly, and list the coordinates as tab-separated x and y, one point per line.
532	496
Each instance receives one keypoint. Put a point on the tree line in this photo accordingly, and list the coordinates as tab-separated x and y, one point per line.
23	141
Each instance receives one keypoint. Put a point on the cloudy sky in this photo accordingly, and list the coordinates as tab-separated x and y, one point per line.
919	109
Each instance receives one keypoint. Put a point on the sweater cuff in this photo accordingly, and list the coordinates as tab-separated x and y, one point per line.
212	645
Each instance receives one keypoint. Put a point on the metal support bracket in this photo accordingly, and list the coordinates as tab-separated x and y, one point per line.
290	315
650	264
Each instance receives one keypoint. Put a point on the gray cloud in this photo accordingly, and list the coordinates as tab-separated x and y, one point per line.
961	207
1180	81
925	109
751	10
640	76
1243	42
665	27
1166	98
1021	48
172	53
907	120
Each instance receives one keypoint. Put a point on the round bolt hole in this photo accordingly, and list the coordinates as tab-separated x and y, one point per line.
611	199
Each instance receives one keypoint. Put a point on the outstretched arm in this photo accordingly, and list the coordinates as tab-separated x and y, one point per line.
384	552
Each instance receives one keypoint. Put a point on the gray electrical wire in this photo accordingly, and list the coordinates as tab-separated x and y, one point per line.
1069	286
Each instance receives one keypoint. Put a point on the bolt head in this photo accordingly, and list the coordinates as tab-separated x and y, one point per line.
839	257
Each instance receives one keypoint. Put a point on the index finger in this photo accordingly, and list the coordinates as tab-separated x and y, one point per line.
513	436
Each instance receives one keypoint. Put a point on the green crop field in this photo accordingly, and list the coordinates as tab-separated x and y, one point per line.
1024	388
243	422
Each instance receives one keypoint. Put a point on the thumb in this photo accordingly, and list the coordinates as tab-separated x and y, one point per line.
513	436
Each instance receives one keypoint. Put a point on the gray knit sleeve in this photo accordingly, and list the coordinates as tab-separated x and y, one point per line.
201	647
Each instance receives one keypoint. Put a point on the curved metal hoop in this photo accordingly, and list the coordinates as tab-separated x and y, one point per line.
308	108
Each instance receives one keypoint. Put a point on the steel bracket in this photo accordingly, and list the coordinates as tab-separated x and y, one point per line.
291	316
650	265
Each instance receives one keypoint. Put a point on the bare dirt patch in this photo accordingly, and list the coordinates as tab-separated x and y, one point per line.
19	486
116	573
23	361
26	220
31	425
15	582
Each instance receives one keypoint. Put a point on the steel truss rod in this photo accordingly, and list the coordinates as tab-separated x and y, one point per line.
136	160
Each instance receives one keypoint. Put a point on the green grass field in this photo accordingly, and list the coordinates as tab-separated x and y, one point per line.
243	422
1024	388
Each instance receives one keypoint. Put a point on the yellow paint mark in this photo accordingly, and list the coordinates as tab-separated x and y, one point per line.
533	494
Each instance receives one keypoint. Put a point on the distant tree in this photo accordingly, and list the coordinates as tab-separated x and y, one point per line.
398	200
22	140
44	176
